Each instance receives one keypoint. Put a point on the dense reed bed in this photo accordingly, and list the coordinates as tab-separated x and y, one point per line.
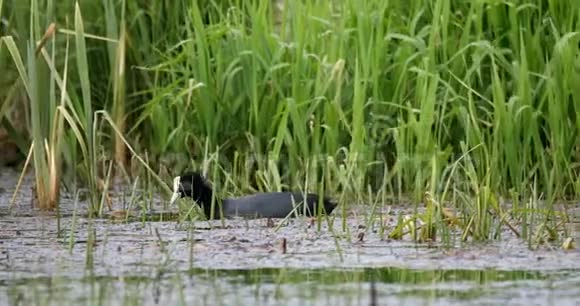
459	105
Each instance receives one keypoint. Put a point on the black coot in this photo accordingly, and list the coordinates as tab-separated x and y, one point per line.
260	205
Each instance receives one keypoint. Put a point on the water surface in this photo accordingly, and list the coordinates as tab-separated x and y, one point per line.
108	261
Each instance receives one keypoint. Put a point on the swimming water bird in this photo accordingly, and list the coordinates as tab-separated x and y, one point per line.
259	205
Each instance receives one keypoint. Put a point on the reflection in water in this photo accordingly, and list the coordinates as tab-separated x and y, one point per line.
301	287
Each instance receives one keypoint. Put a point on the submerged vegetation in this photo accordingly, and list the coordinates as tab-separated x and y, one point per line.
463	106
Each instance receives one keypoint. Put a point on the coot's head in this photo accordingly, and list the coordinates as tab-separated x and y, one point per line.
193	185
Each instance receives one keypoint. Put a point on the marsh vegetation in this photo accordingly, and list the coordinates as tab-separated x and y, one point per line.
439	124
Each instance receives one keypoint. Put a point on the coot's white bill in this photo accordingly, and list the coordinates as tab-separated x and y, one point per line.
176	194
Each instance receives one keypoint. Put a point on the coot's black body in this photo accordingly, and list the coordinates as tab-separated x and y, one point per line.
260	205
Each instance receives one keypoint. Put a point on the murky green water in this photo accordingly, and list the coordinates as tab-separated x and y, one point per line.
382	286
80	261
